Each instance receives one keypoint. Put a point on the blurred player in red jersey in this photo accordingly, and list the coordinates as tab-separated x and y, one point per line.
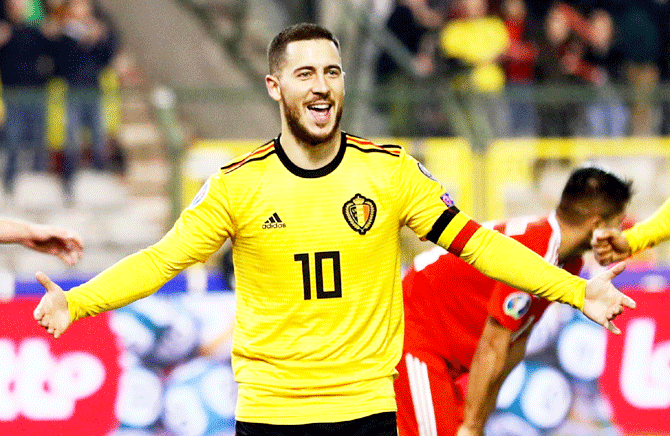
458	321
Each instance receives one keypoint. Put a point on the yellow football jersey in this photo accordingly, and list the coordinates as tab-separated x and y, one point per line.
317	262
319	322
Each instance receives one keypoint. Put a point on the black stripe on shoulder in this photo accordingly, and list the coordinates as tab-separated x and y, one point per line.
367	146
233	167
441	224
378	149
360	138
391	146
259	154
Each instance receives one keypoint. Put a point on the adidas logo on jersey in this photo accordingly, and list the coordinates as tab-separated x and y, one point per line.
274	222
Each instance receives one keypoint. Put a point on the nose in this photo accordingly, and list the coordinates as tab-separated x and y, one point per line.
320	84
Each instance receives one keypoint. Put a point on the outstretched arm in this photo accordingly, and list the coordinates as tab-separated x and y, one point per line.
199	232
54	240
498	352
506	260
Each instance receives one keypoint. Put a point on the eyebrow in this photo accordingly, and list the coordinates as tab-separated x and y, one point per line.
313	68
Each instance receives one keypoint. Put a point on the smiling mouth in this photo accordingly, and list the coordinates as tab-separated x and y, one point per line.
320	112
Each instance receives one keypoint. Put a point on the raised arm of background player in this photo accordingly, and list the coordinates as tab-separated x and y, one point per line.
499	351
613	245
57	241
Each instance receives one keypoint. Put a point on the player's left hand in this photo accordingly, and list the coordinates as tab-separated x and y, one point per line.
603	302
57	241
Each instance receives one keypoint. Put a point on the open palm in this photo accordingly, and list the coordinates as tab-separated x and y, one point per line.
603	302
52	312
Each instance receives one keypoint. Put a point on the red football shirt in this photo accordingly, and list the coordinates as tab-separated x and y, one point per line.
447	301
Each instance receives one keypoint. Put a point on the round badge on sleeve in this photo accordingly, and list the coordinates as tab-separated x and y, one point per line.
200	196
425	171
517	304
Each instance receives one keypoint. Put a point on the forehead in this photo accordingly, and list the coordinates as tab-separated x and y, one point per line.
311	53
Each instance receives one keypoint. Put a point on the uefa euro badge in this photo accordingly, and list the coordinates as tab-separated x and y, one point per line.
200	196
360	212
425	172
517	304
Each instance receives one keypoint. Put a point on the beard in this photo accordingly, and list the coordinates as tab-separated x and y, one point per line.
298	129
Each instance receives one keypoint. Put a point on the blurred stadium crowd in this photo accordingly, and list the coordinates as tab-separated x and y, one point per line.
478	69
54	68
527	68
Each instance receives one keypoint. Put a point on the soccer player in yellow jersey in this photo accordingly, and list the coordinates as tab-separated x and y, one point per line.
613	245
315	217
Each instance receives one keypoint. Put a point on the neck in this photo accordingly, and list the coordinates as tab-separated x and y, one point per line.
310	156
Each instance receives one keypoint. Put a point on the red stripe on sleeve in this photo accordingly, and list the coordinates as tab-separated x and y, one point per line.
463	237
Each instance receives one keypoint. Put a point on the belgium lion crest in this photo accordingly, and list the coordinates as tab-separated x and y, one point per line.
360	212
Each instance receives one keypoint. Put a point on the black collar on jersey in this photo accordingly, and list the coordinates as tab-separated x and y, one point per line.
311	174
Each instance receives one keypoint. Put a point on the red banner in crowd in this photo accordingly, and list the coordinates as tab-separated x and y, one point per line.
63	386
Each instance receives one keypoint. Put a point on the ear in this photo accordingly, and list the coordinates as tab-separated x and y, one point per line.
272	84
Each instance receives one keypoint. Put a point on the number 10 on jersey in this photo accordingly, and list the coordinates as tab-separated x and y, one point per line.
320	258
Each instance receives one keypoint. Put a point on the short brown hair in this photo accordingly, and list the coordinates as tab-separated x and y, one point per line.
297	32
593	189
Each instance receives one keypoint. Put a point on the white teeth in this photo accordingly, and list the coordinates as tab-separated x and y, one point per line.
320	107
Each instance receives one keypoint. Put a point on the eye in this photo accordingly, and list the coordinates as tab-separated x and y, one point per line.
304	74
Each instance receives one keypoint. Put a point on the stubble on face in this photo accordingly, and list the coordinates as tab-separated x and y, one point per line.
301	132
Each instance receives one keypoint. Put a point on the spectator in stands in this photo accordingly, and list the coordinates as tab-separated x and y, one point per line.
641	28
56	10
26	64
476	41
519	65
412	22
34	12
87	46
608	116
600	67
559	63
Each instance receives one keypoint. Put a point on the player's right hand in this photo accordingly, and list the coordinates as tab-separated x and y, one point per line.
52	312
609	245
